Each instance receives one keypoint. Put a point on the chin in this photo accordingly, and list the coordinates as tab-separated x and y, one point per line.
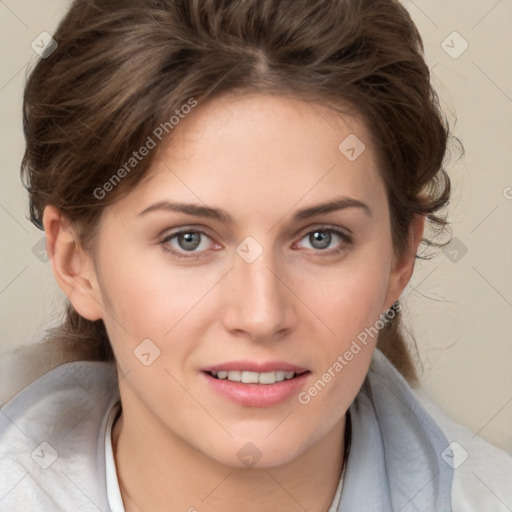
259	452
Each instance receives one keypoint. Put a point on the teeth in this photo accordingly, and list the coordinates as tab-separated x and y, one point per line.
249	377
267	378
234	376
254	377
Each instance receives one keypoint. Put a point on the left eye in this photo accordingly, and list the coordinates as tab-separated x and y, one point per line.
321	239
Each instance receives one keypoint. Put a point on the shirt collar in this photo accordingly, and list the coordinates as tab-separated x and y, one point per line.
395	458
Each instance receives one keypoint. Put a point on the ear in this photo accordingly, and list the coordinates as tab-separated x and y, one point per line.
72	266
403	267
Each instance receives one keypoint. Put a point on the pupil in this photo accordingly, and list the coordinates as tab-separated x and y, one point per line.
191	240
323	237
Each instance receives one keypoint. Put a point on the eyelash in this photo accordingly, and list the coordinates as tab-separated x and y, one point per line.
346	239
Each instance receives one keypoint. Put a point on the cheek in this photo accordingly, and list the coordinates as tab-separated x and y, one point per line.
148	295
348	298
168	305
349	303
351	308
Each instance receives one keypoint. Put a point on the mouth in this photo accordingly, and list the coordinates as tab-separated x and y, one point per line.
248	377
256	385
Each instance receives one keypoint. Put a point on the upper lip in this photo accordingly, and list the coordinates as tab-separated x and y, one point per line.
253	366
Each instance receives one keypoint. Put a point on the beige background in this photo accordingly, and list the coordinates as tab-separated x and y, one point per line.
459	304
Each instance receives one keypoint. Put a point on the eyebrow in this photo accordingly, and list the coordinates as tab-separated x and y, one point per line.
336	204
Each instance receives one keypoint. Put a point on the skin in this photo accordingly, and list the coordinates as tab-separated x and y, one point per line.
177	440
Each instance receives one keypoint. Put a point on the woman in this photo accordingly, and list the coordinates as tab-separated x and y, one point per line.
233	195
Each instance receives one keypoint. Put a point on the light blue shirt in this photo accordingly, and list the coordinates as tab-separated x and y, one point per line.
54	438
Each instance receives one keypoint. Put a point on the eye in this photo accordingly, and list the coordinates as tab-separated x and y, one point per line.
322	238
190	241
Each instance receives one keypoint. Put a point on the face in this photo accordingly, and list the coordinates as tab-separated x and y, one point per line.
245	281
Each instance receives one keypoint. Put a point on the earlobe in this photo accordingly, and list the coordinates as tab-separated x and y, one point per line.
72	267
402	268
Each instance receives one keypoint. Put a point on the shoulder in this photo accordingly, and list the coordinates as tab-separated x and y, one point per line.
49	435
482	477
481	474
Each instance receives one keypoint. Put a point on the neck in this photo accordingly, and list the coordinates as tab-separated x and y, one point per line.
160	472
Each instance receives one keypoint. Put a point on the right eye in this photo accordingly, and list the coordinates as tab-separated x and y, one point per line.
191	241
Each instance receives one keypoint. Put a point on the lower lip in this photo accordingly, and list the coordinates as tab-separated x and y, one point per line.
257	395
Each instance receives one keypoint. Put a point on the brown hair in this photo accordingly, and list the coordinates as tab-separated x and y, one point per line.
123	67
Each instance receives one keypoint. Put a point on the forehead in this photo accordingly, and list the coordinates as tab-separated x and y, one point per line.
240	124
263	152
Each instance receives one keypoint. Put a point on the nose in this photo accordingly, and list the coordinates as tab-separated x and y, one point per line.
259	304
